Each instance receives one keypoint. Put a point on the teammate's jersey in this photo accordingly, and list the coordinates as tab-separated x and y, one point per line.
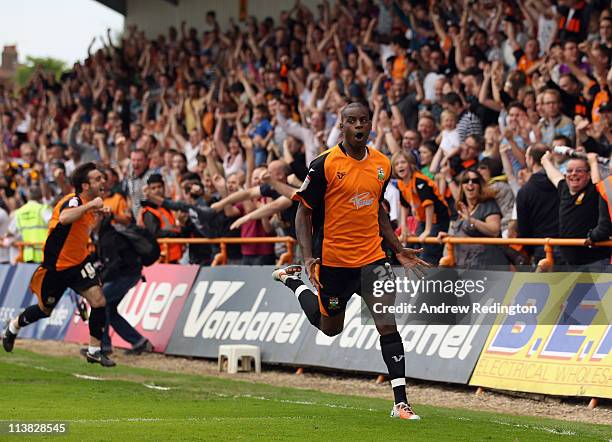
344	195
67	244
421	192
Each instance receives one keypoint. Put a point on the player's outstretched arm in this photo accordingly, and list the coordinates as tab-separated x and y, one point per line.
236	197
70	215
387	230
278	205
283	188
407	257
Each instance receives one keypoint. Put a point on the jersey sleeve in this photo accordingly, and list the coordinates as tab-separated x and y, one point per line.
387	175
71	203
384	189
312	192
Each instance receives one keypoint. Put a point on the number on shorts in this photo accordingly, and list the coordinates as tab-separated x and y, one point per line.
88	271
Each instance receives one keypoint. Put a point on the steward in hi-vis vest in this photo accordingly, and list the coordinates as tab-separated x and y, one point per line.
159	221
31	222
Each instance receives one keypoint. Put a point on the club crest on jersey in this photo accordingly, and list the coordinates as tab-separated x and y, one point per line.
334	303
381	173
341	175
362	200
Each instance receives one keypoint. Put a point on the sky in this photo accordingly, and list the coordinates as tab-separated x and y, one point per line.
60	29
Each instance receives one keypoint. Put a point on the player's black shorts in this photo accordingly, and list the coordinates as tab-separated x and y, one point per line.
49	285
339	283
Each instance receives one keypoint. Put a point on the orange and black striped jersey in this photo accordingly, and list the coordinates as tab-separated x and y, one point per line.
420	192
344	195
67	244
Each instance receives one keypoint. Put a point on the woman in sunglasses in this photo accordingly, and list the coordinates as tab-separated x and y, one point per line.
478	216
420	193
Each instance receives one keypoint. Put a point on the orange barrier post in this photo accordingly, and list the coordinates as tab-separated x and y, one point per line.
449	259
546	264
166	253
221	257
287	257
20	247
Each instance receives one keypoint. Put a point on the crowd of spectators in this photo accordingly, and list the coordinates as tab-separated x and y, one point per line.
207	131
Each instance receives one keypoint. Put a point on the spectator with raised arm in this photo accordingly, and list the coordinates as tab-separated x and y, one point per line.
578	212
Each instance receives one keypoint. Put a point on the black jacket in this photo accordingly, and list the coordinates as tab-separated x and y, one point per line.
206	223
537	207
603	230
116	254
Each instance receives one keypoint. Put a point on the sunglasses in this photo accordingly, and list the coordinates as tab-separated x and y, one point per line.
470	181
570	171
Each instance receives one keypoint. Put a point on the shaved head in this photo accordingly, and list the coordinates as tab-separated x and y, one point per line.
354	106
278	170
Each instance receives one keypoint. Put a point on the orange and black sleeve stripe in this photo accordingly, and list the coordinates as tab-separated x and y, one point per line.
312	192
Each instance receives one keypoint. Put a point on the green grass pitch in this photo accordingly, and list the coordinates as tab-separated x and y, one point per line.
187	407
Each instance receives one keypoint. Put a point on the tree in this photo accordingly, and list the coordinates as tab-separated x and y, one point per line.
24	72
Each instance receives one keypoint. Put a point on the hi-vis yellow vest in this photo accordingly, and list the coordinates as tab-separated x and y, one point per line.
33	228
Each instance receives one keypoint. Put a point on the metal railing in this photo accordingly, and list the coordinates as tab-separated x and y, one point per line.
221	257
545	264
449	260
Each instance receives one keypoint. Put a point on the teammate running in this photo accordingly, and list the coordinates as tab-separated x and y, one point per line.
339	224
66	262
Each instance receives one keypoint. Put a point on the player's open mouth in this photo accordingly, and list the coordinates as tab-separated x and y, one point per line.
359	136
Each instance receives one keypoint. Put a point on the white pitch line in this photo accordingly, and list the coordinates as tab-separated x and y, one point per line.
89	378
288	401
537	427
38	367
157	387
144	420
530	427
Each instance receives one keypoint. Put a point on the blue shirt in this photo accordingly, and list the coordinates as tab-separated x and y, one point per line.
262	128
